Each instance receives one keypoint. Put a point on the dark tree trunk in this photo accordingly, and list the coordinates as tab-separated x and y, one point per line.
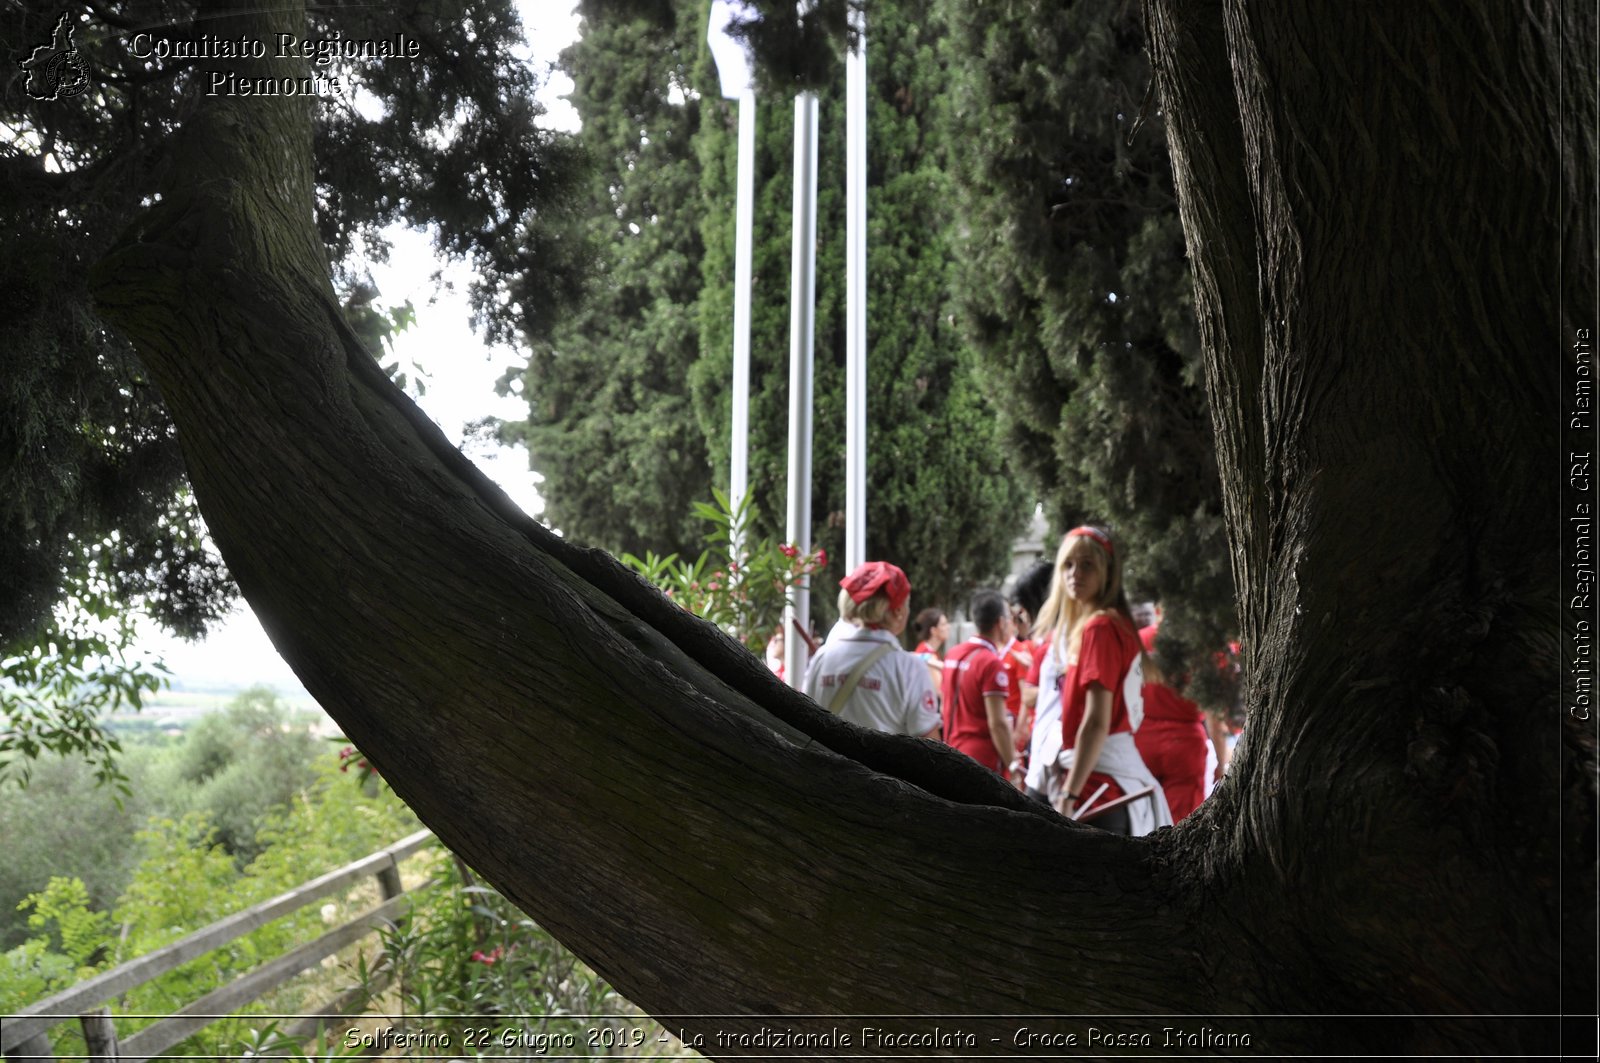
713	843
1375	200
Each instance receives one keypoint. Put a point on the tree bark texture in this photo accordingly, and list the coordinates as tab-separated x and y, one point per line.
1377	198
714	844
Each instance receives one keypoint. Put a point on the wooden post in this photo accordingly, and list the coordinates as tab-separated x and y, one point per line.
389	880
99	1035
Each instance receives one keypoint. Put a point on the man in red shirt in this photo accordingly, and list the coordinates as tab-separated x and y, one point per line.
1016	656
975	685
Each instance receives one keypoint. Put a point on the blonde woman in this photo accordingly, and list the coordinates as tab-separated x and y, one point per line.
1093	633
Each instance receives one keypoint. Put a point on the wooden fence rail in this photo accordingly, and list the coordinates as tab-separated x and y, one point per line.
24	1037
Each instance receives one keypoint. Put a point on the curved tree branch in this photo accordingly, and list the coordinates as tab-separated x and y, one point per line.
713	843
706	838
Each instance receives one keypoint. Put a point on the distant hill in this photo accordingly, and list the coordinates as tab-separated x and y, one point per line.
185	703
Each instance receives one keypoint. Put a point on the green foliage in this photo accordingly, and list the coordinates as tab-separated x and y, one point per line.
740	583
188	880
610	428
62	911
55	695
941	501
462	950
796	44
468	954
88	456
377	327
1072	283
66	824
33	971
268	1041
629	409
92	497
329	823
238	772
238	765
184	880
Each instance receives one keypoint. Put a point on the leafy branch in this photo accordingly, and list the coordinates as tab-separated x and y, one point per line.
738	583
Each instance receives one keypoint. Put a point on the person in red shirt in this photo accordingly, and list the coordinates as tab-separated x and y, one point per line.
1016	657
975	684
1172	740
1088	611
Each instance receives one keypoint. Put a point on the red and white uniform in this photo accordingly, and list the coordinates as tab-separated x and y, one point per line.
1106	650
894	695
973	671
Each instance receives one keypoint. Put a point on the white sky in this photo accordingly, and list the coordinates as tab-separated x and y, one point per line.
461	372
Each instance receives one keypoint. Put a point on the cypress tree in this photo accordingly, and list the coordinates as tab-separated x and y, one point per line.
622	451
1073	284
610	428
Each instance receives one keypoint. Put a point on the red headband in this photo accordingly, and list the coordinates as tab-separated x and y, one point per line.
1097	535
867	579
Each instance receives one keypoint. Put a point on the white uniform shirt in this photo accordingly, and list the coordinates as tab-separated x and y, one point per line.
1045	746
894	695
842	629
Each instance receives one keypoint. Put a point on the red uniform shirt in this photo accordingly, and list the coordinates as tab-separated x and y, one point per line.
1017	660
1106	651
1172	742
971	671
1161	702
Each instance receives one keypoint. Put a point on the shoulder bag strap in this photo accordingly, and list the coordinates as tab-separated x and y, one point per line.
840	696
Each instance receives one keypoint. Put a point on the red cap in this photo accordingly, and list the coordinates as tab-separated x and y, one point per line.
868	578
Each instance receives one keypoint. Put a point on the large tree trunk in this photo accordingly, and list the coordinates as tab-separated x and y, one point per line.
713	843
1376	200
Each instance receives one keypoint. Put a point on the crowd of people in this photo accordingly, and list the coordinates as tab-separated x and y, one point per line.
1058	690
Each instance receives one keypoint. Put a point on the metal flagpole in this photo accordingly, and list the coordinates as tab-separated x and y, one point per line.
733	70
802	304
744	215
855	479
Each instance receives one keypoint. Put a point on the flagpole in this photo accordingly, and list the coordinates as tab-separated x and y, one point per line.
744	222
855	496
802	306
738	83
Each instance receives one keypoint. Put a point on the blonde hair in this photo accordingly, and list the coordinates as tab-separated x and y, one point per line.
1063	618
875	611
847	607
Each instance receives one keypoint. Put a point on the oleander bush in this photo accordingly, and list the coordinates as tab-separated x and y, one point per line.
739	582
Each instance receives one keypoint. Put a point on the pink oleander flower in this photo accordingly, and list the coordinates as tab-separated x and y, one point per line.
789	550
488	959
